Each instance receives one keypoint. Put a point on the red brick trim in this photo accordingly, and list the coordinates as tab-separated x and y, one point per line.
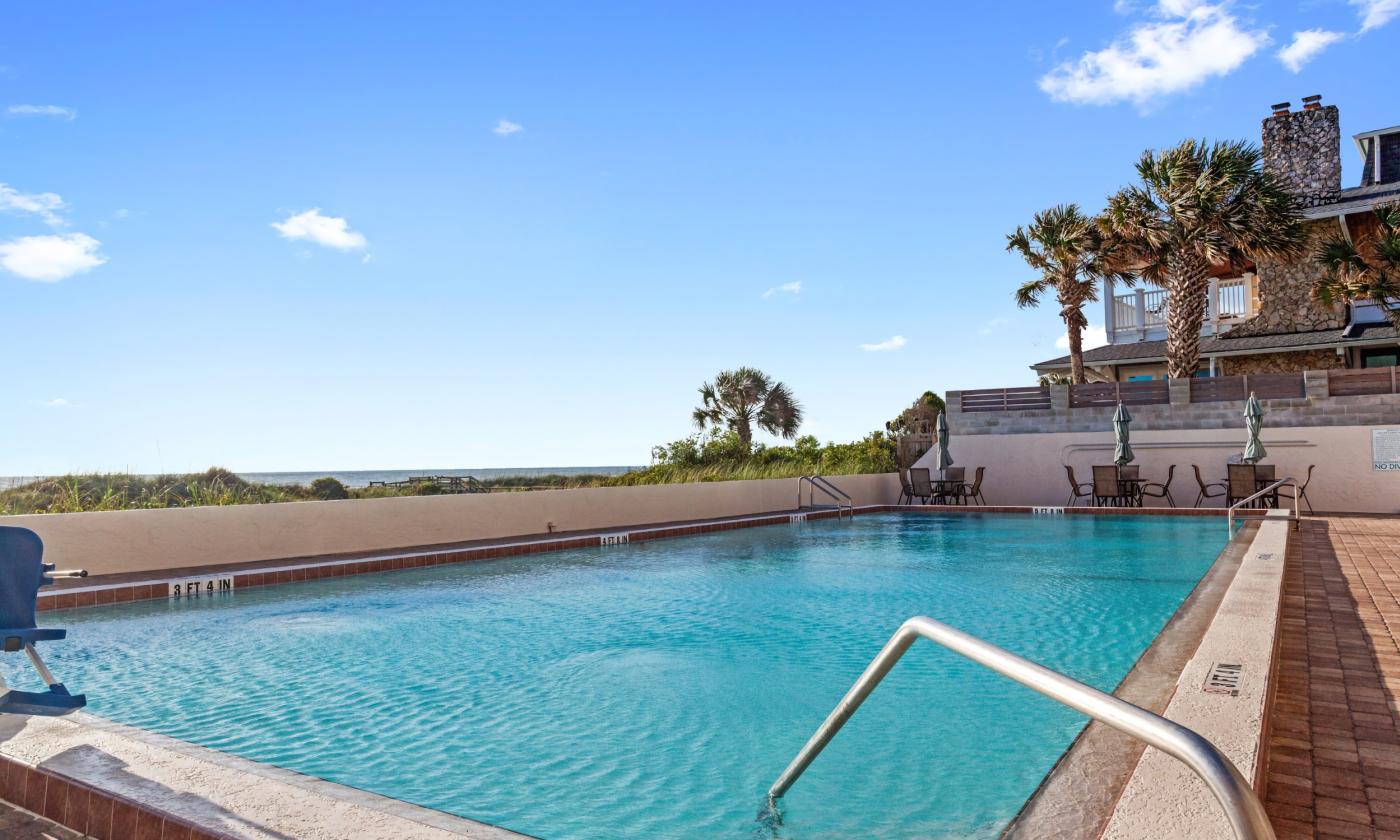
329	567
89	810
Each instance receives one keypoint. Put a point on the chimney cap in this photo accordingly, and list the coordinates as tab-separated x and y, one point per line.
1281	108
1316	97
1312	103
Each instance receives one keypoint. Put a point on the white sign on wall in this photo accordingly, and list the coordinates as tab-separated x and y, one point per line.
1385	450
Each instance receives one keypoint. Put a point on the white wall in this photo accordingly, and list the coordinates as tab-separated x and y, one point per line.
142	540
1029	469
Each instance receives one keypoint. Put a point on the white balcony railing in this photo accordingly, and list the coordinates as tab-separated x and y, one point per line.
1141	315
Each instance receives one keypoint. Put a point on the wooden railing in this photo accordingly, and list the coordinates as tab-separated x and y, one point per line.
1354	383
1265	386
1005	399
1098	394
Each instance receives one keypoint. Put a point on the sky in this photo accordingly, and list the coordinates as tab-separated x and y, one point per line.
314	235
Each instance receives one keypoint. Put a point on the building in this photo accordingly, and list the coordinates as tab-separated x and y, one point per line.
1263	318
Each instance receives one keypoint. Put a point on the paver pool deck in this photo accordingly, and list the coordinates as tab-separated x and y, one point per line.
1334	766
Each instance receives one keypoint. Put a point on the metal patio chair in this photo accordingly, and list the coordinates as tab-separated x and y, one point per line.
1302	494
1160	490
973	492
1209	489
921	485
1243	482
1077	490
906	489
1108	491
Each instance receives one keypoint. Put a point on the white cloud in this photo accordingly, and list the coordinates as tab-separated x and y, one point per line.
786	288
892	343
43	111
1376	13
505	128
56	402
1192	42
50	258
993	325
43	205
329	231
1306	46
1093	336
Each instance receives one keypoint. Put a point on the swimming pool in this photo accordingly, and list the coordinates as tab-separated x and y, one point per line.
655	690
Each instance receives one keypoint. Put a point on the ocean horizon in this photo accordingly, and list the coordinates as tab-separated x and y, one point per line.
362	478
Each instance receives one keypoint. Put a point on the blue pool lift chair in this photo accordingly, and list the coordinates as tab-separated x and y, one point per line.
22	572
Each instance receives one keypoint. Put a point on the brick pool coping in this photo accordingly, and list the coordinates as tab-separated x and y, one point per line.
127	587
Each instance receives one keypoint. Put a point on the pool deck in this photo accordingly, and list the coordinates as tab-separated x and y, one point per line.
1334	766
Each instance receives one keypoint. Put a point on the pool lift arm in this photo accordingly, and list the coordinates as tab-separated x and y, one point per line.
22	572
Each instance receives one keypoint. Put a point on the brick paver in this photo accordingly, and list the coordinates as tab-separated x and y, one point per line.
22	825
1334	765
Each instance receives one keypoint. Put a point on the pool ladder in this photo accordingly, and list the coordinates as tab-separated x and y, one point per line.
842	501
1242	807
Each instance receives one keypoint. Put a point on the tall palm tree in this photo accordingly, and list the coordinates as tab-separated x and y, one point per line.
1367	268
1201	205
1072	255
743	398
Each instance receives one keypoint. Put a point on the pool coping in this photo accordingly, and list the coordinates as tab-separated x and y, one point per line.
111	781
1062	805
127	587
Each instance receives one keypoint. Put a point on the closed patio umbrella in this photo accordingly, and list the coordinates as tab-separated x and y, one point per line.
945	460
1122	452
1253	421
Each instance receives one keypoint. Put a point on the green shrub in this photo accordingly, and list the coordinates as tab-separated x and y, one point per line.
329	489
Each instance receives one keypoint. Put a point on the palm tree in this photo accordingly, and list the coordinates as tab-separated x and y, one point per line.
1200	206
1367	268
1072	255
743	398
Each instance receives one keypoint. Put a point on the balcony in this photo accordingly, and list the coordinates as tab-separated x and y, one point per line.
1141	315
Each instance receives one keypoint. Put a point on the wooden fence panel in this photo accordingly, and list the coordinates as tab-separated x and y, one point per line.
1353	383
1005	399
1101	394
1218	389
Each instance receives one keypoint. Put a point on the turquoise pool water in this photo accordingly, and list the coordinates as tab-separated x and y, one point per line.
656	690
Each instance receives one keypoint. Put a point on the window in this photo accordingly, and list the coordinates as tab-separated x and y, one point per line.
1380	357
1142	377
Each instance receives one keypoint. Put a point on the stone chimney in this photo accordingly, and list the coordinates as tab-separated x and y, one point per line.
1305	148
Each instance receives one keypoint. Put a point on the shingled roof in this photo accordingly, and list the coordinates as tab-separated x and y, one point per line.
1156	351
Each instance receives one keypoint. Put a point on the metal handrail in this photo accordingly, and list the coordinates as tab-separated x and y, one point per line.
843	500
1242	806
1230	514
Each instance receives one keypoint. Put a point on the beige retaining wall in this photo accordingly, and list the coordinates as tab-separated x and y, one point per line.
145	540
1029	469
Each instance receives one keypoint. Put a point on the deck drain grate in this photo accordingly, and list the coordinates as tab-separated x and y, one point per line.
1224	678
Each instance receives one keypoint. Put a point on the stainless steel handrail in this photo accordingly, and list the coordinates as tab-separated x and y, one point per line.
1242	807
1230	514
843	500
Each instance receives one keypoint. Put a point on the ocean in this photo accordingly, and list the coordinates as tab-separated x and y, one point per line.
362	478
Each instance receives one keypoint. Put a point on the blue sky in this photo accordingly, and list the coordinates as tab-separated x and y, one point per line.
353	235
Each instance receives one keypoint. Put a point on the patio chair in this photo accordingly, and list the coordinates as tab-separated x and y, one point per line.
920	485
973	491
1209	489
906	490
954	474
1243	482
1108	492
1265	473
1077	490
1302	494
1129	471
22	572
1162	490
